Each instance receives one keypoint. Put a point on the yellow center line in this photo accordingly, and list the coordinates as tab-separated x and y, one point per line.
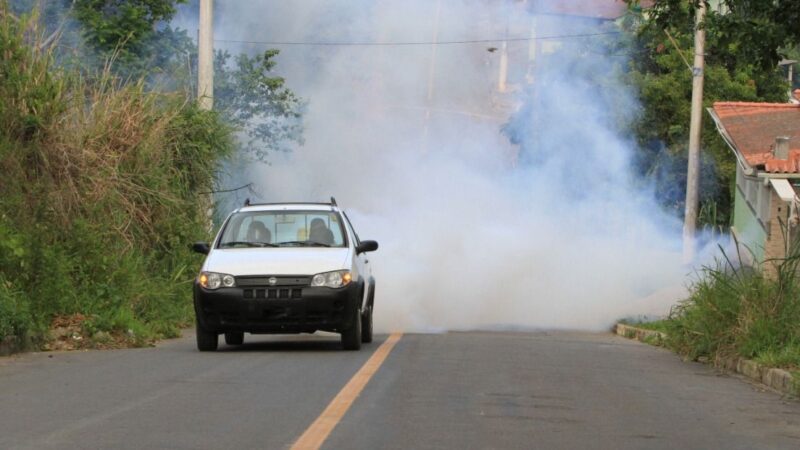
318	432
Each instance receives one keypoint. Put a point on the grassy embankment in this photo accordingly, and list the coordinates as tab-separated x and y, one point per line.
99	197
739	312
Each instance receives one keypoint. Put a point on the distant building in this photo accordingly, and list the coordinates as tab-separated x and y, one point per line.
546	19
765	138
595	9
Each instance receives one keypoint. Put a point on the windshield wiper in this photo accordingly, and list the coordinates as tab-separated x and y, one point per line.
305	243
232	243
247	243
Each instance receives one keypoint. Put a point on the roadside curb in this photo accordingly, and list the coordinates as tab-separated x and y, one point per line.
640	334
778	379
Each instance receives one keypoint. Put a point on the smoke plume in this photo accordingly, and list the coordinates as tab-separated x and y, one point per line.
514	209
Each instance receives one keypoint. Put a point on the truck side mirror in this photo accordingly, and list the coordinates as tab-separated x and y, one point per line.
201	247
366	246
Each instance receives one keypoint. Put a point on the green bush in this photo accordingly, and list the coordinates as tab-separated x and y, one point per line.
741	312
15	318
102	184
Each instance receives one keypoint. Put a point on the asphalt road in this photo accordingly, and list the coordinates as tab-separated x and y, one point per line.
456	390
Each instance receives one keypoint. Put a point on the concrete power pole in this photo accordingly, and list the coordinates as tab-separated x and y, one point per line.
502	78
695	129
205	78
205	56
431	78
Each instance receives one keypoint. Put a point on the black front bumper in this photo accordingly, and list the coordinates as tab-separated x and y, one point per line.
295	309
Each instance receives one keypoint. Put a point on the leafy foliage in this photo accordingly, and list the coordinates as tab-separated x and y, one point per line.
106	162
739	67
133	37
100	195
754	32
741	312
15	318
133	28
257	102
133	40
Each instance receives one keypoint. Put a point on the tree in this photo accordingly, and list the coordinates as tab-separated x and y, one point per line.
247	92
755	32
739	67
257	102
129	27
135	35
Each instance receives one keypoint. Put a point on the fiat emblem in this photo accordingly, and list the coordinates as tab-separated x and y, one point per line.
272	281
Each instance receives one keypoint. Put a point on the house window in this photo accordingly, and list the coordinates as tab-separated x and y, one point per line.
756	195
752	193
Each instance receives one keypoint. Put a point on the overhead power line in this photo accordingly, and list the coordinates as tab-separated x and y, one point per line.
410	43
246	186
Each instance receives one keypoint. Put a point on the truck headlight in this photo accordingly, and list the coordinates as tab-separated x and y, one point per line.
333	279
213	280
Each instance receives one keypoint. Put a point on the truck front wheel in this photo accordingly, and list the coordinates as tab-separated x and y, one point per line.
207	341
351	337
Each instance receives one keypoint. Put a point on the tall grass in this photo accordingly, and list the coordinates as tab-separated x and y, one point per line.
741	312
100	194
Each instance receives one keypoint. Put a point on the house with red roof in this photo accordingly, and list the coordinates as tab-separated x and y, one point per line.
765	138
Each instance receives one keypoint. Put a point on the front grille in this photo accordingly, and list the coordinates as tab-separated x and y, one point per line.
263	280
276	293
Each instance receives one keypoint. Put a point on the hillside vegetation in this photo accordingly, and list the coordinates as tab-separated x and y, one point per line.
735	311
101	193
741	312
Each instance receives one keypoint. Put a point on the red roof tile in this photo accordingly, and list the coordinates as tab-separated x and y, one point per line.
753	128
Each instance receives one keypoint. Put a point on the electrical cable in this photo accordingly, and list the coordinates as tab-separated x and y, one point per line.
410	43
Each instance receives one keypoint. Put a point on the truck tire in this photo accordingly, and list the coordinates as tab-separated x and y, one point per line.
234	337
351	337
366	325
207	341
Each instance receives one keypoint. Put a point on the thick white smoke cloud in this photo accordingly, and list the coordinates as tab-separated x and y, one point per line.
408	139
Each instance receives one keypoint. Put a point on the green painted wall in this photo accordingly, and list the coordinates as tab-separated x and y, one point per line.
748	230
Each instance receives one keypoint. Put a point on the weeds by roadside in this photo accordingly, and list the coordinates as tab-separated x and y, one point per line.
655	325
735	311
100	196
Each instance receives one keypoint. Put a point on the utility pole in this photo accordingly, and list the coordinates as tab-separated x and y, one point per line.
431	77
205	56
502	77
695	129
205	78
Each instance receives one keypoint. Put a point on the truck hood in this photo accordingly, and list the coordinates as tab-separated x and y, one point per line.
276	261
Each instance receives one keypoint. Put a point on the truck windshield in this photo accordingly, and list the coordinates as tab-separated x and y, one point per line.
283	229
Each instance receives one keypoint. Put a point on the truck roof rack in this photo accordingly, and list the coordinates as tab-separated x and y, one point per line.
247	202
